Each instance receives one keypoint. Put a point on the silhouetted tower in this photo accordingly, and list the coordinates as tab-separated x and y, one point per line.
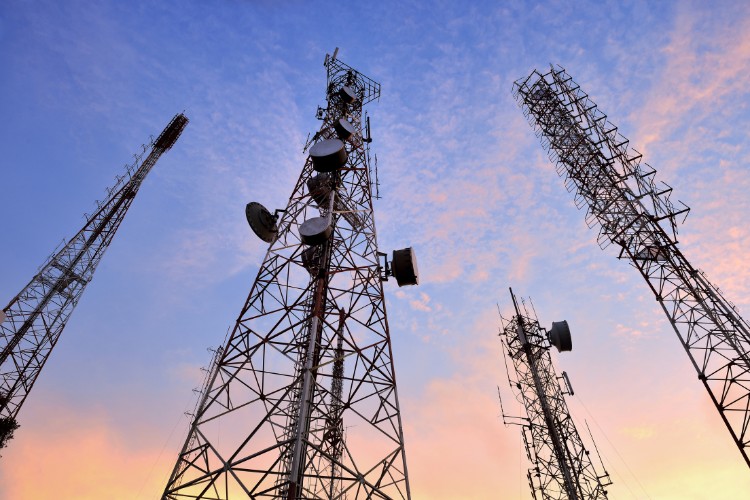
635	214
303	400
30	325
562	467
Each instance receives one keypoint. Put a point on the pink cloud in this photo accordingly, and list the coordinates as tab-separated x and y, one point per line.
422	304
701	71
82	456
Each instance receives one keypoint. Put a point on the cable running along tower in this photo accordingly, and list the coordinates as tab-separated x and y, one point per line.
31	324
562	467
302	401
636	214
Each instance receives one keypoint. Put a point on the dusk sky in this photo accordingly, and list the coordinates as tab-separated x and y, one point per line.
463	180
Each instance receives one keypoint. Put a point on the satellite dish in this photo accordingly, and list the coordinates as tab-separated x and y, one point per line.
316	231
328	155
559	336
404	267
261	221
344	129
347	94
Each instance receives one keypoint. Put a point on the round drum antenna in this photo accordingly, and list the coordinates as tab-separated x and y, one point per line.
559	336
261	221
344	129
315	231
328	155
347	94
404	267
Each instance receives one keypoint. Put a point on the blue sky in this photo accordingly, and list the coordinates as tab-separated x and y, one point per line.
463	180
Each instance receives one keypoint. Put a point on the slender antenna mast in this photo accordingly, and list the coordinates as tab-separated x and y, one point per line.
561	467
637	215
31	324
310	354
591	436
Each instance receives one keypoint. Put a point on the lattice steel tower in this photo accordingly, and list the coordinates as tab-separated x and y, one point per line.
562	467
302	401
635	214
31	324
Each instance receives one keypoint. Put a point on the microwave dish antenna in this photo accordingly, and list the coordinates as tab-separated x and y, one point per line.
344	129
328	155
559	336
403	267
262	221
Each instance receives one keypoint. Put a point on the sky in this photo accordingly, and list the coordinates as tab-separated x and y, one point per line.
463	180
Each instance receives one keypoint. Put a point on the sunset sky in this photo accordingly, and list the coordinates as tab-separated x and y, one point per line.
463	180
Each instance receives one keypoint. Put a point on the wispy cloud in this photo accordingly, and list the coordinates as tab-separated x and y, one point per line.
464	181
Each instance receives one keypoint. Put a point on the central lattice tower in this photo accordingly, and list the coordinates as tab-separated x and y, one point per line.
301	400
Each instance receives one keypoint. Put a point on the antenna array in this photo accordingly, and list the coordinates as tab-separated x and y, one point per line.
634	213
31	324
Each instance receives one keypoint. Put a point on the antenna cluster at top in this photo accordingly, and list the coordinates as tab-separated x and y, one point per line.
337	149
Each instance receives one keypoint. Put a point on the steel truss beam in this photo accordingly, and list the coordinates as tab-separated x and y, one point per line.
35	318
620	195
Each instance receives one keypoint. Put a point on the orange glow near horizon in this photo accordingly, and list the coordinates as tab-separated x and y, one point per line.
463	180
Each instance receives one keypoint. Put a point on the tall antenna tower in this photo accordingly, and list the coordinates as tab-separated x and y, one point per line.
303	400
31	324
636	214
562	467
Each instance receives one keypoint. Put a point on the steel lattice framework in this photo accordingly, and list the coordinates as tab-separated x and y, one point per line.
562	467
635	213
35	318
303	402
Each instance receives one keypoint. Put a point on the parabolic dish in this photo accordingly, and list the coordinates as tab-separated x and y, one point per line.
404	267
559	336
344	129
315	231
347	94
261	221
328	155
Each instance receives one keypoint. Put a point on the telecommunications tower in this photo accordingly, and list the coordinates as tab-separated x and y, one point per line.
31	324
636	214
562	467
302	400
